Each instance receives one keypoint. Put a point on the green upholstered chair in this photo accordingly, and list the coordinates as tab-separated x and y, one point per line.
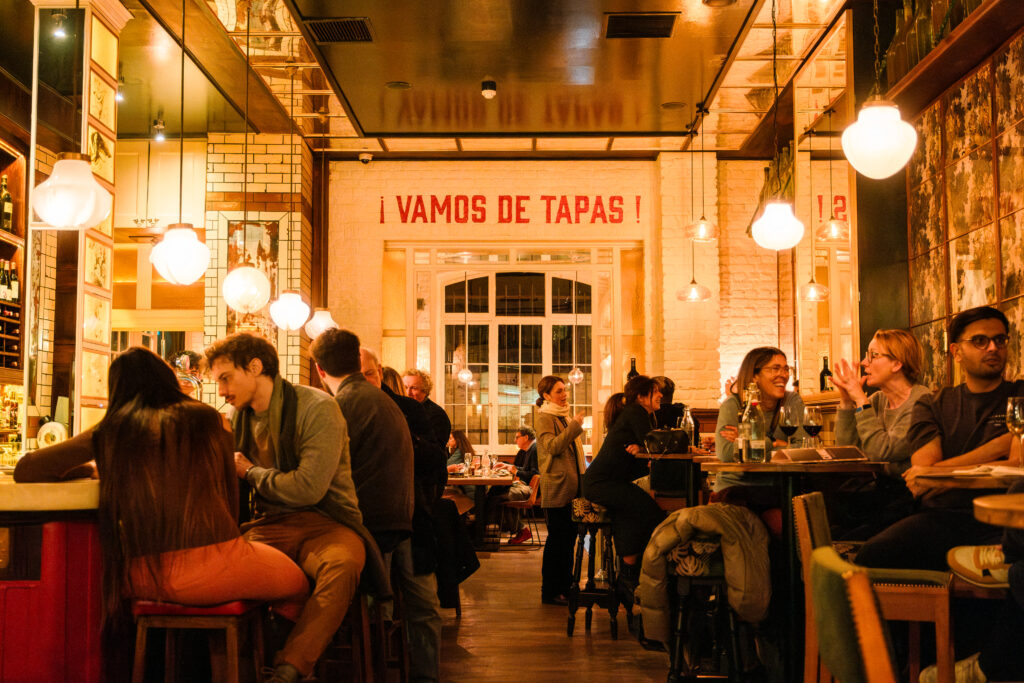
853	641
904	595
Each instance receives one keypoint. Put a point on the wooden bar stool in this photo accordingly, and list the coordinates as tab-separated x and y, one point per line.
593	520
231	617
349	655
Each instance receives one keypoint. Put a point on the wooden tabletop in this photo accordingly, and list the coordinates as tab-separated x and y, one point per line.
1003	510
784	467
692	454
489	480
943	478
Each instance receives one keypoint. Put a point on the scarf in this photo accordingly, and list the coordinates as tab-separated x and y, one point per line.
554	409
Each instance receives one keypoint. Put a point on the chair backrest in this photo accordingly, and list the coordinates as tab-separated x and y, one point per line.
812	529
851	634
534	490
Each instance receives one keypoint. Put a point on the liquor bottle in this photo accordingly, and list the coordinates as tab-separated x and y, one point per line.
14	284
923	24
686	424
752	428
825	376
6	206
632	370
5	289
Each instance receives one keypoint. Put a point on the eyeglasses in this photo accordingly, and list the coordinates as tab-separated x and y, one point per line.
775	369
872	356
981	341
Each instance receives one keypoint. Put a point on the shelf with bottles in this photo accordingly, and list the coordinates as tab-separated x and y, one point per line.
12	195
12	402
938	42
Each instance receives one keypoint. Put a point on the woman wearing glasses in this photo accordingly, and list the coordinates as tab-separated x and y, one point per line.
766	367
879	424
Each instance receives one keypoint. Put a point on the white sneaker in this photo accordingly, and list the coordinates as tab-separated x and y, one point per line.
981	565
965	671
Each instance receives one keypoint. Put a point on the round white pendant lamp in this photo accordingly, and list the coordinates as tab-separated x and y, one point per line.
289	312
880	143
777	228
180	257
246	289
320	323
71	199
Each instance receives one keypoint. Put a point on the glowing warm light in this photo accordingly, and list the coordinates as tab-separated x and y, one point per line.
575	376
702	230
465	375
833	232
180	257
880	143
71	199
320	323
289	312
694	293
777	228
813	292
246	289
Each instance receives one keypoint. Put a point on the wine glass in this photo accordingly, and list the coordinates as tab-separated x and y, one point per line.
789	421
1015	420
812	424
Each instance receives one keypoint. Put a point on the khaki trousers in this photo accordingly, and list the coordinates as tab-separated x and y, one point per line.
332	556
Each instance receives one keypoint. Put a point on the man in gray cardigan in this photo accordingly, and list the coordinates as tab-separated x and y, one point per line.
382	468
292	449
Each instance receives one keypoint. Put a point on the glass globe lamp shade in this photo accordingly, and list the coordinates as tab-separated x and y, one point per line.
777	228
289	312
320	323
702	230
813	292
833	232
246	289
180	257
575	376
71	199
880	143
694	293
465	375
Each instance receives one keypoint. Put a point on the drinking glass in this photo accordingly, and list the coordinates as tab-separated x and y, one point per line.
812	424
789	422
1015	420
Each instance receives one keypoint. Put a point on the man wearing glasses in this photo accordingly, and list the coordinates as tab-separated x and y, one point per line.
959	426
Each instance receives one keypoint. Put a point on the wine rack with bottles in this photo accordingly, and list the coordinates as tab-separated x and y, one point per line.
13	224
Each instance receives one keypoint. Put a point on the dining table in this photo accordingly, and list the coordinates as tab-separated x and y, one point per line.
692	478
950	478
792	478
1006	509
481	482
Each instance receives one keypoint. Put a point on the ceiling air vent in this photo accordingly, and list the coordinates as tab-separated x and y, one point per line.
641	25
340	30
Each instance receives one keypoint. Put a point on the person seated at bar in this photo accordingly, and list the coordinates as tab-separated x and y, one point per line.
765	366
667	475
609	479
560	456
522	469
168	495
959	426
878	425
291	447
418	386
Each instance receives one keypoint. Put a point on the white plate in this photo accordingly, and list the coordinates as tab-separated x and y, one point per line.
51	434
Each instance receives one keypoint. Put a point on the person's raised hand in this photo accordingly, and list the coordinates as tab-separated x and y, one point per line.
578	417
850	384
242	465
730	433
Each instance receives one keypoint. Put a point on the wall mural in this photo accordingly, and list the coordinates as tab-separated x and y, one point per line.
254	243
965	230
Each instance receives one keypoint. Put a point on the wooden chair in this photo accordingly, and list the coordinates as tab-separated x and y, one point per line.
233	618
903	594
526	506
349	655
855	645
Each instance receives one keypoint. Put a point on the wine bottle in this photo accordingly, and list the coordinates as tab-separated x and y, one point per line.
5	289
6	206
15	285
825	376
752	428
632	370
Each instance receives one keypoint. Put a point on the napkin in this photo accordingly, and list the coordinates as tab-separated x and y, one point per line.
992	470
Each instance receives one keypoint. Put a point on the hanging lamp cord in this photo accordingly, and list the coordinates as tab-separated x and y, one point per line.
775	109
703	112
245	124
878	59
830	195
181	121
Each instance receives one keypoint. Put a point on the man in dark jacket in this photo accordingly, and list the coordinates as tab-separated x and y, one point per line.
418	386
383	469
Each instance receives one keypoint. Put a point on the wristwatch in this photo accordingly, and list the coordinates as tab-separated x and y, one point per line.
862	407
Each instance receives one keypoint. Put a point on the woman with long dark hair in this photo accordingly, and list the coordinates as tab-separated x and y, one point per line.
168	492
609	479
560	456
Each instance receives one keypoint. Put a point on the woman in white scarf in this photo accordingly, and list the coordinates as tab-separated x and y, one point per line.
560	456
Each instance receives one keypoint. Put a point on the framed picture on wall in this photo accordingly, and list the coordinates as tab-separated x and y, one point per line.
96	323
104	47
101	154
97	264
102	105
254	243
94	375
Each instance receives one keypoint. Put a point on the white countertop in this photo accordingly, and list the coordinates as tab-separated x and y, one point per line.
81	494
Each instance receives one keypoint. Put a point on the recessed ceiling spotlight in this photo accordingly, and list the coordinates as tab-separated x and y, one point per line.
718	3
398	85
488	89
158	130
673	105
58	24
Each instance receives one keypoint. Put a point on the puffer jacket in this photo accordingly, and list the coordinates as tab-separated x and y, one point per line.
745	554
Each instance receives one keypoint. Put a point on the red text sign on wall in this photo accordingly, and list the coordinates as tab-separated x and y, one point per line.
506	208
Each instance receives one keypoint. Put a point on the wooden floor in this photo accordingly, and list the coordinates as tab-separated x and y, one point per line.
506	634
